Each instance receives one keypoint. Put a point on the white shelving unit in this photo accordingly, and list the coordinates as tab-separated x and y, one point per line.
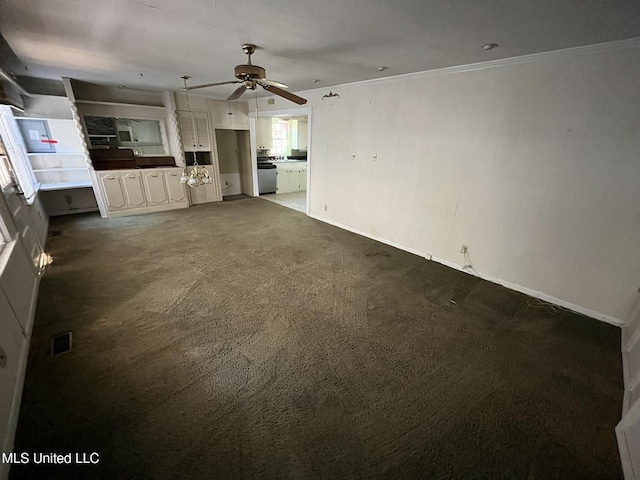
60	171
66	168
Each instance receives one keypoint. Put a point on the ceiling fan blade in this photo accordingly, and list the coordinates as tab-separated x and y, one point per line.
273	83
237	93
284	94
212	84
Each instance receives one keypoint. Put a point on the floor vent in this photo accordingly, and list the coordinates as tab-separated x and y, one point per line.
61	344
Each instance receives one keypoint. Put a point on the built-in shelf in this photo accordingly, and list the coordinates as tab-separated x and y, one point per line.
64	185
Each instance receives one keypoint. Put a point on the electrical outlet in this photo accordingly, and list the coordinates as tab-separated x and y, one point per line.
353	156
226	183
325	207
374	157
464	249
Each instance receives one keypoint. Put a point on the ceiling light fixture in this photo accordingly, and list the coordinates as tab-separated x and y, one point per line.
490	46
198	175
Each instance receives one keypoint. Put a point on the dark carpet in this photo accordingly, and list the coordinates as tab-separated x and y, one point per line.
246	340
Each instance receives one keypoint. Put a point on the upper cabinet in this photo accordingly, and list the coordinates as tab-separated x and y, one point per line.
264	140
229	115
196	139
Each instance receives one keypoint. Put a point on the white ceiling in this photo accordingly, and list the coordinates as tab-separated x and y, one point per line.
150	43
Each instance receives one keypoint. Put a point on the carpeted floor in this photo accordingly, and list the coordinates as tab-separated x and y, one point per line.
245	340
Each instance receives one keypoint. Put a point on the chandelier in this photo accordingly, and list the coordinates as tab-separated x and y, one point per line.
198	175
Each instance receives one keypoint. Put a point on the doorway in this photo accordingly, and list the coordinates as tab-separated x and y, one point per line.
234	160
281	143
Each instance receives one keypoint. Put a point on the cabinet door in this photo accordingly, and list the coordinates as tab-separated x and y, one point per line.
155	188
189	143
302	178
134	193
263	133
202	131
239	117
113	191
286	180
174	188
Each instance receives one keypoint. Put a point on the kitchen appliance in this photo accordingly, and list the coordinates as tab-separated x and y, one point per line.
250	76
267	177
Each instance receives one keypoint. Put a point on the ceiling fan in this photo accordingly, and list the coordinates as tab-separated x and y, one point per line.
250	76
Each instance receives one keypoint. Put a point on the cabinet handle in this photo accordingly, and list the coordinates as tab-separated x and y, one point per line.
153	175
173	174
110	177
131	175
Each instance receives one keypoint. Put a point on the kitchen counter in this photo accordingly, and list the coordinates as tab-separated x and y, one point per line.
289	161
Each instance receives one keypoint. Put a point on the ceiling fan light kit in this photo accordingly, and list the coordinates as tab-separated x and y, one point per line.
250	76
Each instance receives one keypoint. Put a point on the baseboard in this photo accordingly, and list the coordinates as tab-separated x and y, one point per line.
513	286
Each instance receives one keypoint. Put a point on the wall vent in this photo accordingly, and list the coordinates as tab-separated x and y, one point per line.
61	344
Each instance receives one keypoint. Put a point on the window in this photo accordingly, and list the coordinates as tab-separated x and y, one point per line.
280	132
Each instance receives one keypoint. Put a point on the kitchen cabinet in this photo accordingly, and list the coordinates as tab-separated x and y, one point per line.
209	192
264	135
175	190
292	177
129	192
302	177
196	136
230	115
111	186
303	125
133	189
156	186
122	190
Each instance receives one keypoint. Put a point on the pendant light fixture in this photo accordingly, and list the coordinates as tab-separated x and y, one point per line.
198	175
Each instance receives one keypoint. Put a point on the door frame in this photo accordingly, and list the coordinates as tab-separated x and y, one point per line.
254	154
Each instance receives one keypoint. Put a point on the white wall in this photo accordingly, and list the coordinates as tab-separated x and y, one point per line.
533	163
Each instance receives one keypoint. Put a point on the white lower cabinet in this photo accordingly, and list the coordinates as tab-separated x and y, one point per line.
156	186
175	190
111	186
292	177
134	190
130	192
209	192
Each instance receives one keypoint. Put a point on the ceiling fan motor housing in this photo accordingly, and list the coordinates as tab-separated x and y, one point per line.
250	72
